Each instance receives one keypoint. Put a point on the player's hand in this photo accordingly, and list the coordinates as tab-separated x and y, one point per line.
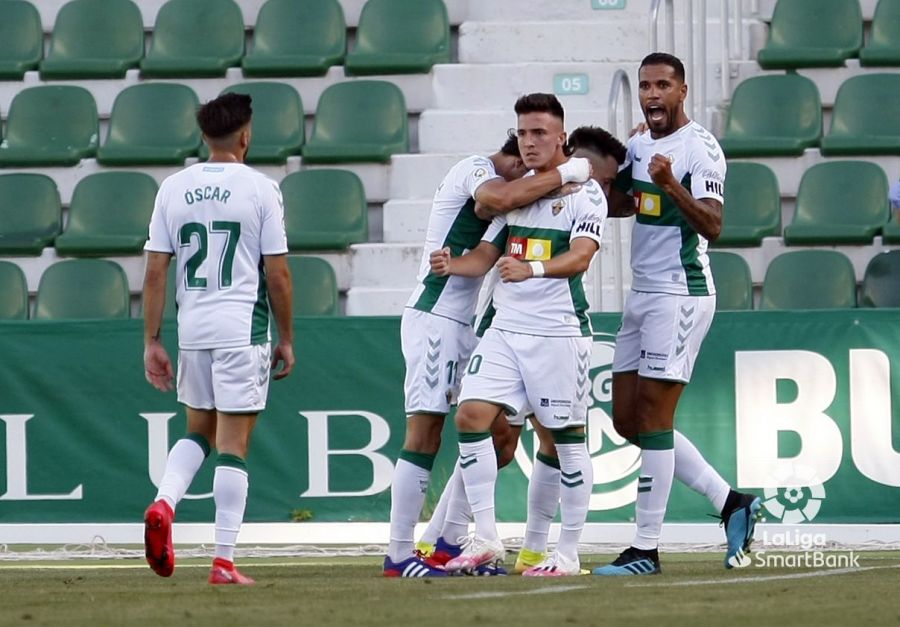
440	262
283	353
568	188
158	366
640	129
660	171
513	270
575	170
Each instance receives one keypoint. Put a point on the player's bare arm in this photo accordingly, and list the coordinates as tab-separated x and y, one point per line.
574	261
498	196
278	279
704	215
475	263
157	365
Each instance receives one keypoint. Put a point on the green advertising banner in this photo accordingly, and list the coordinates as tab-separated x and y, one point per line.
796	406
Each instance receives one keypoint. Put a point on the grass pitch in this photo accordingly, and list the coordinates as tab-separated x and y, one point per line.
694	589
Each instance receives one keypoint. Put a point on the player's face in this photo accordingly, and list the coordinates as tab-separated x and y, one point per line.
541	138
604	168
662	95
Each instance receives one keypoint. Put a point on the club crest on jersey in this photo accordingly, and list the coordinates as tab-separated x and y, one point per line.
479	173
648	204
557	206
529	248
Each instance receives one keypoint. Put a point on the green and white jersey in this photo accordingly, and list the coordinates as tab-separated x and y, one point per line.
667	254
219	219
453	223
538	232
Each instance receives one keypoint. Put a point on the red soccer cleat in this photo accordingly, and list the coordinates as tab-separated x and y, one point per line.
224	571
158	538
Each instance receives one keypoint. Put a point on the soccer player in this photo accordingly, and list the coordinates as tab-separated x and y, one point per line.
673	180
224	224
537	349
436	326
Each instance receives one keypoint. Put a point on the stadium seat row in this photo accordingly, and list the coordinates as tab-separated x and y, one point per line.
325	209
155	124
839	202
807	279
98	288
825	33
781	115
203	38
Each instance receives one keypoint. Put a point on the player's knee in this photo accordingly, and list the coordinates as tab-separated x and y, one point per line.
506	451
423	434
625	426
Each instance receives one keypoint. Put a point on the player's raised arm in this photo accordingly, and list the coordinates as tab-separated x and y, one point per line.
498	196
703	214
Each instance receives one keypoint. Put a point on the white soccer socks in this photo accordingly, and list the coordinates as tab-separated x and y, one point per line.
230	485
576	481
478	463
692	469
184	461
654	486
543	501
408	488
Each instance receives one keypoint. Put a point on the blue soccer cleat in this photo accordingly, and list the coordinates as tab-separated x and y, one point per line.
443	552
632	561
412	566
739	527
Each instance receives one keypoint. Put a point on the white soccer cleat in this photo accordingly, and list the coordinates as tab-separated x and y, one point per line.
554	565
476	552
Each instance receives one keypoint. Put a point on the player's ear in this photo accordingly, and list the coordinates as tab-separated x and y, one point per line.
684	91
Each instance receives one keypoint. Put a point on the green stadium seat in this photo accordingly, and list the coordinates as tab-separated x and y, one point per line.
13	292
195	38
839	202
866	118
891	233
95	39
734	287
884	42
278	129
315	286
881	281
400	37
78	289
152	124
30	213
812	33
809	279
362	120
50	125
108	215
774	115
324	209
297	39
21	39
752	208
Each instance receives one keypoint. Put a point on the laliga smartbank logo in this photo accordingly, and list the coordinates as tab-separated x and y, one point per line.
615	462
794	496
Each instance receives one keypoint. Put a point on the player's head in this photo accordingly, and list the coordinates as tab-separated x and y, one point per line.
225	123
541	131
508	160
605	152
662	90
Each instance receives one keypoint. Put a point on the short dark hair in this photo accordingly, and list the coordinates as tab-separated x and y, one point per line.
664	58
224	115
540	103
597	140
511	145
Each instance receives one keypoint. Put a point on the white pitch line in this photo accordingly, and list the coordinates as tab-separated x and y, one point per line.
27	566
758	578
510	593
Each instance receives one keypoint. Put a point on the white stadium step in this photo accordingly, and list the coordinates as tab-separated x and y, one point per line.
377	301
548	10
406	220
418	175
385	265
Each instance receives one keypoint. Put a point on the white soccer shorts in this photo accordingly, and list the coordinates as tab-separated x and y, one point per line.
661	334
436	351
231	380
515	370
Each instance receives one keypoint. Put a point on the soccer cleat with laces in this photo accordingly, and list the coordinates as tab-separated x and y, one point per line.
476	552
443	552
740	524
158	538
554	565
632	561
425	548
527	559
224	572
413	566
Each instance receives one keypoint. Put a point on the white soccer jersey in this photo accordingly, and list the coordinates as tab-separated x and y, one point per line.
538	232
219	219
453	223
667	254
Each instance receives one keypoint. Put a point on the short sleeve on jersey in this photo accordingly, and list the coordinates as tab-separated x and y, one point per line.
480	171
273	239
707	167
590	213
497	233
159	240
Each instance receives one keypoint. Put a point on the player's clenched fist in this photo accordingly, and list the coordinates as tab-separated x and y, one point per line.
440	262
512	270
660	170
